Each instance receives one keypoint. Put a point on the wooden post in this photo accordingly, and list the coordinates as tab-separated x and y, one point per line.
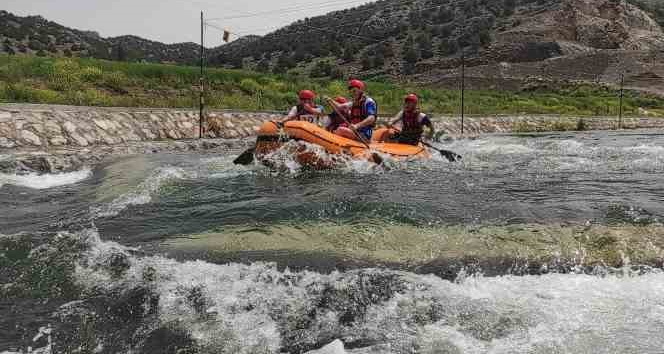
463	86
622	86
200	113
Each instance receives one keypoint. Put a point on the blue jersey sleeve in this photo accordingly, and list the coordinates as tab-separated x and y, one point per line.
372	109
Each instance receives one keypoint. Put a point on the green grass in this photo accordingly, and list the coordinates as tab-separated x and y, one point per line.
91	82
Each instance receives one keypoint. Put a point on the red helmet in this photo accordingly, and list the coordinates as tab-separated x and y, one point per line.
356	84
341	100
410	98
307	95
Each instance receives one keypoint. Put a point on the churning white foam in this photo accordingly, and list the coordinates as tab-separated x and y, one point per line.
251	307
45	181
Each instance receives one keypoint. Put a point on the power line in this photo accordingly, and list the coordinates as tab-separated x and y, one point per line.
285	10
362	11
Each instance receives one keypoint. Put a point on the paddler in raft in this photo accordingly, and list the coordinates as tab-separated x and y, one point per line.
306	109
362	112
411	122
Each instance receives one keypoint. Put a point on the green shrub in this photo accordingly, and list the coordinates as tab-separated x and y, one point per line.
92	74
66	76
115	81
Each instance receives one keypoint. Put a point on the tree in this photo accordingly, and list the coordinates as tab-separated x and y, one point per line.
7	47
485	37
299	54
367	62
510	5
322	68
35	45
425	46
444	15
337	72
409	53
349	52
120	53
263	65
449	46
379	59
284	63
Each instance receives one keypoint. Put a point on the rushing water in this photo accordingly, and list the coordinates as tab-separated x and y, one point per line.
160	252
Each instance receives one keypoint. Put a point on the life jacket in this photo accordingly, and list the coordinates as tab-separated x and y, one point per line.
358	112
411	127
336	121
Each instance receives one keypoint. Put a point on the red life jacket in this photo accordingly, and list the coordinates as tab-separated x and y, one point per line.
358	111
411	128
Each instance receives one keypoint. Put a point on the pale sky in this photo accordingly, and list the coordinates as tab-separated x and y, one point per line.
172	21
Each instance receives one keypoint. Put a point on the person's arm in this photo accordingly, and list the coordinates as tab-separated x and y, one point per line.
291	115
396	119
340	108
317	111
427	123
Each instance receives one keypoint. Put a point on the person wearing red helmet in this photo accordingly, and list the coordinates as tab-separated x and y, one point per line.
335	120
412	123
363	112
305	109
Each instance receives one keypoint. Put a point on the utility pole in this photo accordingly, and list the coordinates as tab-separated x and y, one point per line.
200	114
463	86
622	86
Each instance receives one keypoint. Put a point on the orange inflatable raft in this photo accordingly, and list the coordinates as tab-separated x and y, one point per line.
271	137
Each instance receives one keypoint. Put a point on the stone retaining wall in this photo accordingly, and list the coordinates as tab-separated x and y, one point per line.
531	123
44	126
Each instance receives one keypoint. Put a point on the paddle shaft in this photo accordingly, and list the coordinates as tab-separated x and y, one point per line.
350	126
451	156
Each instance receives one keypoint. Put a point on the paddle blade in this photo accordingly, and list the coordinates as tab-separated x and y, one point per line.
450	156
375	158
245	158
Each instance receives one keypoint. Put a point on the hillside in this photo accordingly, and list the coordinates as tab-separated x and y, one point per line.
506	43
36	35
655	8
394	38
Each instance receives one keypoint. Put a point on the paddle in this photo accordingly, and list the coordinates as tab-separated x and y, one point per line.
449	155
246	158
374	156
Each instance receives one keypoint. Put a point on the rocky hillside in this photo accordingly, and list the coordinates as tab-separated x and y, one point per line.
36	35
395	37
655	8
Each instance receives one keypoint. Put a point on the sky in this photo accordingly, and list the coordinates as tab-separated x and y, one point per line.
173	21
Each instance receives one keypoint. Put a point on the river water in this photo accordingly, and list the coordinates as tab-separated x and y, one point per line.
187	253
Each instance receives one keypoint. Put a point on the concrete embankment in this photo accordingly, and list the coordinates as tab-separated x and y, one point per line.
33	134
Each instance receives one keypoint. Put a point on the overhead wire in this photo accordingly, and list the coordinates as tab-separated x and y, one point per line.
456	2
287	10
